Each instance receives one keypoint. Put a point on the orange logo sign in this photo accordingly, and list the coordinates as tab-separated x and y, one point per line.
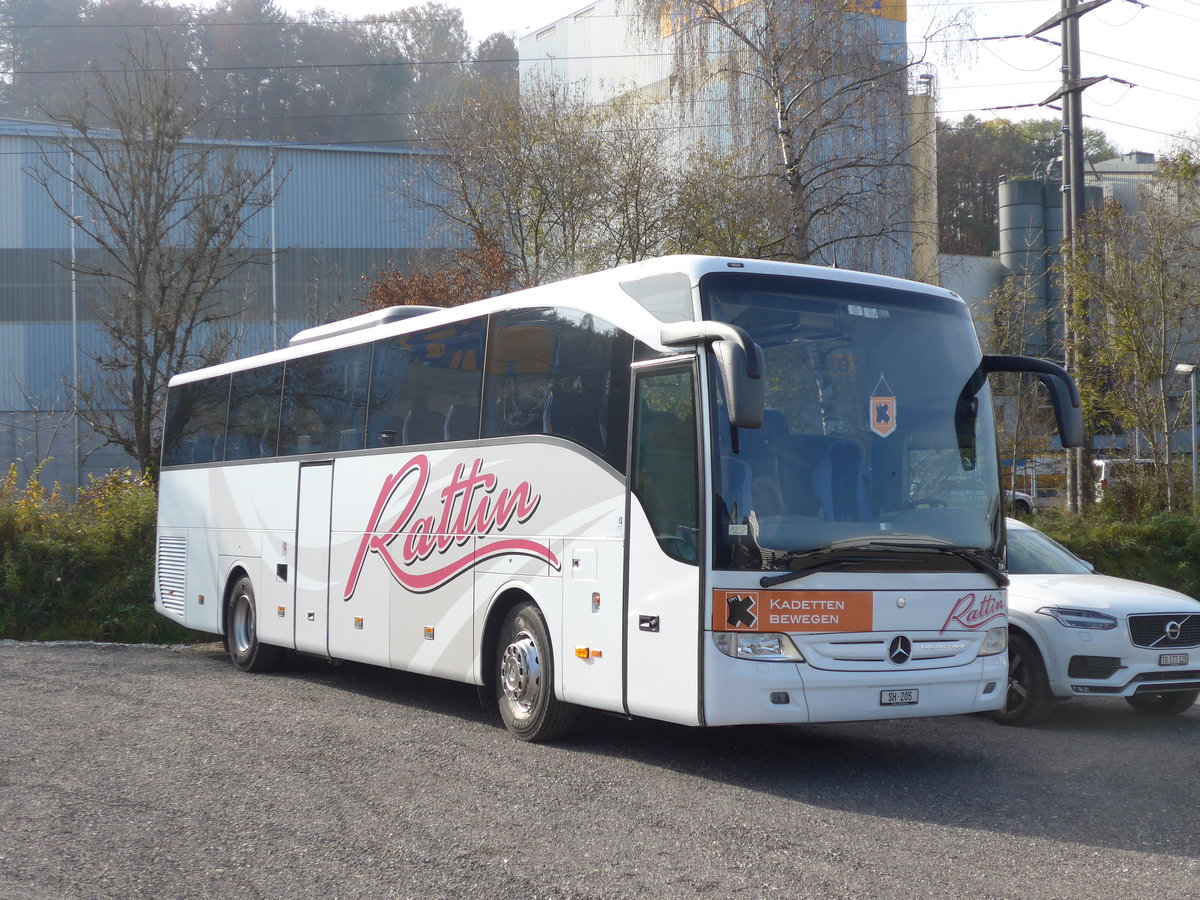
883	415
793	611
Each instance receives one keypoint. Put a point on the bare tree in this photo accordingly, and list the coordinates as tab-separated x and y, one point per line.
1141	274
815	93
168	215
565	186
1024	422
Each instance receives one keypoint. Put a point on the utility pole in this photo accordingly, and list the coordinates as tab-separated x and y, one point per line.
1074	311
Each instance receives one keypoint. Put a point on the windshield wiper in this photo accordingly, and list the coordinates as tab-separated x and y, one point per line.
976	558
821	561
839	553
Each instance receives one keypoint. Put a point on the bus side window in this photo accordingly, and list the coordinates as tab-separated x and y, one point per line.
388	409
195	424
252	430
557	372
517	374
664	461
591	367
324	401
425	386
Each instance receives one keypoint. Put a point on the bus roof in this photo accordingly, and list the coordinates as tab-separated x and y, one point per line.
638	297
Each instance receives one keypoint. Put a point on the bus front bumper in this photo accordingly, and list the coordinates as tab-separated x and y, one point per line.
747	692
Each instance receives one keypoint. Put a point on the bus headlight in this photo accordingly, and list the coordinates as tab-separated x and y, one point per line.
995	640
765	647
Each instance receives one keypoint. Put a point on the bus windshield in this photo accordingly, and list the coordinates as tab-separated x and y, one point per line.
877	430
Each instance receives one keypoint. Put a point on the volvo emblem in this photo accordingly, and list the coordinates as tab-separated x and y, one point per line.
1173	630
899	650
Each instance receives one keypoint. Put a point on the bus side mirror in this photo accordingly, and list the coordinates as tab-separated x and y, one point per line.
739	359
1064	395
743	392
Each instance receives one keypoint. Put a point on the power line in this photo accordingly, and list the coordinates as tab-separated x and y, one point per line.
380	19
415	141
1170	134
415	64
458	61
1014	66
383	19
1128	62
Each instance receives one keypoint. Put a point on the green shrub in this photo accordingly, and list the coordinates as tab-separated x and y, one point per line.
1163	549
82	570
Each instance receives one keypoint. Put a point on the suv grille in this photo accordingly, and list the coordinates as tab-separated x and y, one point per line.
1152	631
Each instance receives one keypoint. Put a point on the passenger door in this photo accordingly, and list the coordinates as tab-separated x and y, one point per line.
313	511
663	623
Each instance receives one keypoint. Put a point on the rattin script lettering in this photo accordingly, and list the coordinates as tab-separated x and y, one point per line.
470	507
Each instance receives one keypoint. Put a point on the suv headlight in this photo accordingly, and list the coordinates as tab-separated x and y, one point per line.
1069	617
764	647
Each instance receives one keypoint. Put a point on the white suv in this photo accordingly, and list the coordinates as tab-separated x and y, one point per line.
1075	633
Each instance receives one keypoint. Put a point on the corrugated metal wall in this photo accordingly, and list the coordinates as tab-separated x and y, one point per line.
330	196
340	215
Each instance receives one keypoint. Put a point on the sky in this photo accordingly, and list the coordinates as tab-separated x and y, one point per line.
1148	50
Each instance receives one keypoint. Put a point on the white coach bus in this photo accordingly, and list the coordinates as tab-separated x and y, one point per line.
703	490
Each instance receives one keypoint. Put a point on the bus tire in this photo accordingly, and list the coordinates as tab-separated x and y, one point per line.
524	676
1166	704
1028	699
241	631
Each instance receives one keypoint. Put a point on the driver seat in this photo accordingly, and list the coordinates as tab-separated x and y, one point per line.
841	484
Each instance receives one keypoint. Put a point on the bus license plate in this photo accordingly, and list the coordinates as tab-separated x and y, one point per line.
907	697
1172	659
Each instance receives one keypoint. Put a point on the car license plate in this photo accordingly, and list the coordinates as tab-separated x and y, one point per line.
1172	659
906	697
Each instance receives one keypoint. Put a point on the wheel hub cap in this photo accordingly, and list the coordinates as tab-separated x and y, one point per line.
521	673
243	624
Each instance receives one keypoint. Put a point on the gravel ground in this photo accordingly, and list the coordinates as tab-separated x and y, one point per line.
136	771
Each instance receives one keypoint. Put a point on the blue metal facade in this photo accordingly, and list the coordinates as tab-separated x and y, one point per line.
339	217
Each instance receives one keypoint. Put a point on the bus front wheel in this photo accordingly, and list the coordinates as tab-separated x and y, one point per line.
525	678
241	631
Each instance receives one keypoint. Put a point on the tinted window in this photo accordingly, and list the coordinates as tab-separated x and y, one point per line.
876	420
253	425
558	372
1032	553
664	461
195	426
325	402
425	386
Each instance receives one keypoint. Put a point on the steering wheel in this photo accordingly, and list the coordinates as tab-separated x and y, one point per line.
926	503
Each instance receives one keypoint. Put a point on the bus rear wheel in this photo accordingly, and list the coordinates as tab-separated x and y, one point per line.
241	632
524	678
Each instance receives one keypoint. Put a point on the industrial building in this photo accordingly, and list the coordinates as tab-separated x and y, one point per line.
1031	224
605	48
340	215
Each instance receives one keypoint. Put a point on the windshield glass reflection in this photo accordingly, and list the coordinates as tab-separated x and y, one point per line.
873	428
1032	553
